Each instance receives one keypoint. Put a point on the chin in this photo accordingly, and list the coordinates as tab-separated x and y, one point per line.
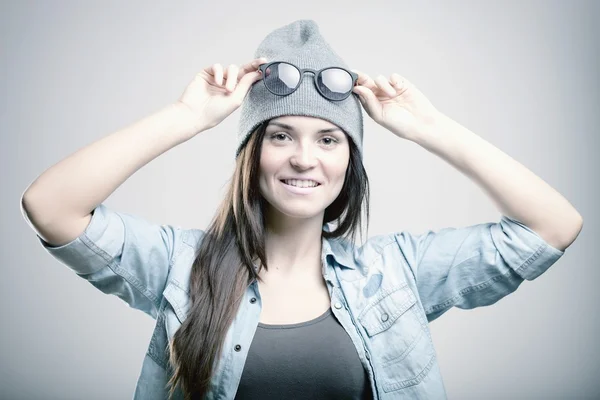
301	212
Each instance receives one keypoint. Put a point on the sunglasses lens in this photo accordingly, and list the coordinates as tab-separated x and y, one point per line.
282	78
335	83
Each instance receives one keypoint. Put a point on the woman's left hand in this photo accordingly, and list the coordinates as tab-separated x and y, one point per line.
396	105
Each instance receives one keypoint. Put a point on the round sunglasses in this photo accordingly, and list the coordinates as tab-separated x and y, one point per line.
283	78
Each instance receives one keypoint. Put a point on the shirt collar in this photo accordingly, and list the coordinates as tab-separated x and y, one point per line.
338	250
335	248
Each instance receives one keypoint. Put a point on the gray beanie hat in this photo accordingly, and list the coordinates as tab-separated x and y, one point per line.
301	44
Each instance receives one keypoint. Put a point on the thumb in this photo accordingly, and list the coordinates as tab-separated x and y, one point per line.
244	84
366	96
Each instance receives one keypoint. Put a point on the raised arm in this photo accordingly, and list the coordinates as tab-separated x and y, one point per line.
518	193
123	254
59	202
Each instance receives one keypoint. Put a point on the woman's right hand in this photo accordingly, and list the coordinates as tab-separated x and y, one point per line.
216	92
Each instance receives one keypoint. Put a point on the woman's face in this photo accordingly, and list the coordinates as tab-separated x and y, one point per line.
301	151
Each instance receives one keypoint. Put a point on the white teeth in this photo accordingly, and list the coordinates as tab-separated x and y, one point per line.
299	183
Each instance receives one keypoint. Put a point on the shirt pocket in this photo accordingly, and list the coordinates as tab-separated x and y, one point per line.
177	308
401	347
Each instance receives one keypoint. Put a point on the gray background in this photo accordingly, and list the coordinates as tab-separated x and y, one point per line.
523	75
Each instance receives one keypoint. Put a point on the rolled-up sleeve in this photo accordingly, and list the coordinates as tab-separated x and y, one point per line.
123	255
474	266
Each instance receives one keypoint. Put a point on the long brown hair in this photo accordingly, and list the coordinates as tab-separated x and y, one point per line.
223	267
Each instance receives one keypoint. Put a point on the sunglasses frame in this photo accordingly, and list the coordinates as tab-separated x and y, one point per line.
263	67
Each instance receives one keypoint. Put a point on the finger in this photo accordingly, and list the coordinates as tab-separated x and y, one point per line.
216	70
398	81
367	98
232	77
244	84
251	66
382	82
358	91
364	79
362	92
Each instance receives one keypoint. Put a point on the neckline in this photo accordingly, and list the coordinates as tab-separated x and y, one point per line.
297	324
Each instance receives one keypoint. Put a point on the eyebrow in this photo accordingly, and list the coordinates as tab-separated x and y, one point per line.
291	128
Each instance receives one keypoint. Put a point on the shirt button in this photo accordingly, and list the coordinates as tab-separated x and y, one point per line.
253	300
367	270
384	317
368	355
237	347
338	305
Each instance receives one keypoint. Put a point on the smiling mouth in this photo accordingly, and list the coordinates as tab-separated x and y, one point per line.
300	189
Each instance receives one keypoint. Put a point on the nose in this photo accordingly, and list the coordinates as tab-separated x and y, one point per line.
304	157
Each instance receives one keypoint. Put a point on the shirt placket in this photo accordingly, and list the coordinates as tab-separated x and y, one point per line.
342	312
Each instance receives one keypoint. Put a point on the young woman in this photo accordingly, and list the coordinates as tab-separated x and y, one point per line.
273	300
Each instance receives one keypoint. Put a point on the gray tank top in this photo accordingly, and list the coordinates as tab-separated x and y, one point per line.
309	360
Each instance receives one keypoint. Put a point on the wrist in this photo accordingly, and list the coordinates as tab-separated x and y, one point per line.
189	122
429	128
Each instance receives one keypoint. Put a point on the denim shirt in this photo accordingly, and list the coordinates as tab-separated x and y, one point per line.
384	293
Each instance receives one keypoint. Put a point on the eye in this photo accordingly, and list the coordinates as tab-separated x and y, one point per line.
331	140
281	136
278	135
